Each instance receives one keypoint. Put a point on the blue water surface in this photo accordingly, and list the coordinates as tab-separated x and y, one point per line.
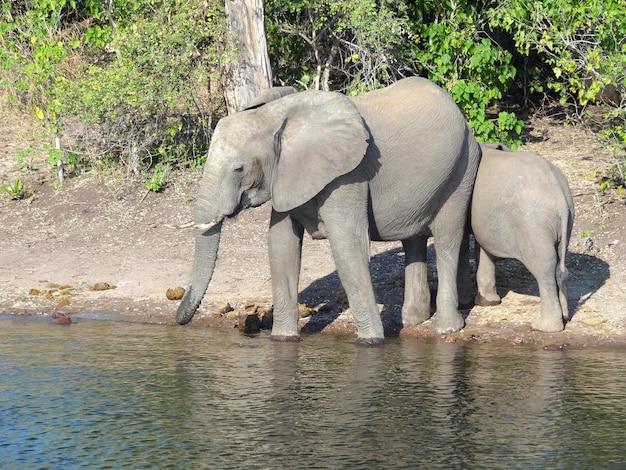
100	394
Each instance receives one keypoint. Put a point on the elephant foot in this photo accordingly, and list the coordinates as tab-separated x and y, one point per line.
444	324
285	338
370	341
483	301
548	325
412	317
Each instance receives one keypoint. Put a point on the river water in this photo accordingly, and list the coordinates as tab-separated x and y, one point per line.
100	394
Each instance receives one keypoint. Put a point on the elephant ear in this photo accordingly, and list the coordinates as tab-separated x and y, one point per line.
322	137
268	95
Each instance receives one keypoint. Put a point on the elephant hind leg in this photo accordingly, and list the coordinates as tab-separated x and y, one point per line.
486	279
447	318
416	306
550	318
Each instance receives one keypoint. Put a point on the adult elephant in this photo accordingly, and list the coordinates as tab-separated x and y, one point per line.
393	164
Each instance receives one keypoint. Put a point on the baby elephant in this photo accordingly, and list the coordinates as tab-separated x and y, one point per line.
522	208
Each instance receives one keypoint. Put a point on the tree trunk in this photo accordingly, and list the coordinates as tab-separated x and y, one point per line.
249	73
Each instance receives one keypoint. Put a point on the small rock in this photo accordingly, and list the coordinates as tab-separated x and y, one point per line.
340	296
249	323
175	294
231	315
65	320
304	311
98	286
267	317
322	308
265	312
224	309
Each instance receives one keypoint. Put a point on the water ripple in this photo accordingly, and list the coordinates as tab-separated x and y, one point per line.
110	395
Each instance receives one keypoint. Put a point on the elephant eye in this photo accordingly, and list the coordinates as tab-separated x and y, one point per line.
238	168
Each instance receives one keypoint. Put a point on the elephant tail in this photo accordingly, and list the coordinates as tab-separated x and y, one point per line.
562	249
567	221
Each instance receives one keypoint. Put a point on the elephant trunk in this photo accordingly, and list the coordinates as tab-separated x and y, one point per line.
207	242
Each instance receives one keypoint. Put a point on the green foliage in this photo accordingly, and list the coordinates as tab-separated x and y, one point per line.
36	45
149	93
24	159
138	81
15	190
577	50
335	44
453	51
360	45
157	181
582	42
55	156
128	71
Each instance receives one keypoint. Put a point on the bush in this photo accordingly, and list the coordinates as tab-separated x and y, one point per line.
577	51
136	83
139	82
357	45
347	45
450	46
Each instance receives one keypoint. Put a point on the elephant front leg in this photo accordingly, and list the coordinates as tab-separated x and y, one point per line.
285	252
351	255
416	306
348	234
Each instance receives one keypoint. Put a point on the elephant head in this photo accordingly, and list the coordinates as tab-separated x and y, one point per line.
286	150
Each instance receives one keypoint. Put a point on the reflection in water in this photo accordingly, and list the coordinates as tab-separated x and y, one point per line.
98	395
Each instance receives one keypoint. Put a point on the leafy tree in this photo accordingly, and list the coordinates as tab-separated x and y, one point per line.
133	80
141	81
149	96
450	44
577	49
359	45
335	44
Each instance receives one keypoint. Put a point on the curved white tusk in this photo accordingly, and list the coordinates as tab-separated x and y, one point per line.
181	226
209	225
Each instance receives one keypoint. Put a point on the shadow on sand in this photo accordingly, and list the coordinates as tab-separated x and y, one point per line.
587	274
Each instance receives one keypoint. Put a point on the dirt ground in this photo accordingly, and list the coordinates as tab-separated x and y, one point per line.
100	247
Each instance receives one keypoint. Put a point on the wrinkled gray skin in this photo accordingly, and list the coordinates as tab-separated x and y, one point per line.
522	208
394	164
